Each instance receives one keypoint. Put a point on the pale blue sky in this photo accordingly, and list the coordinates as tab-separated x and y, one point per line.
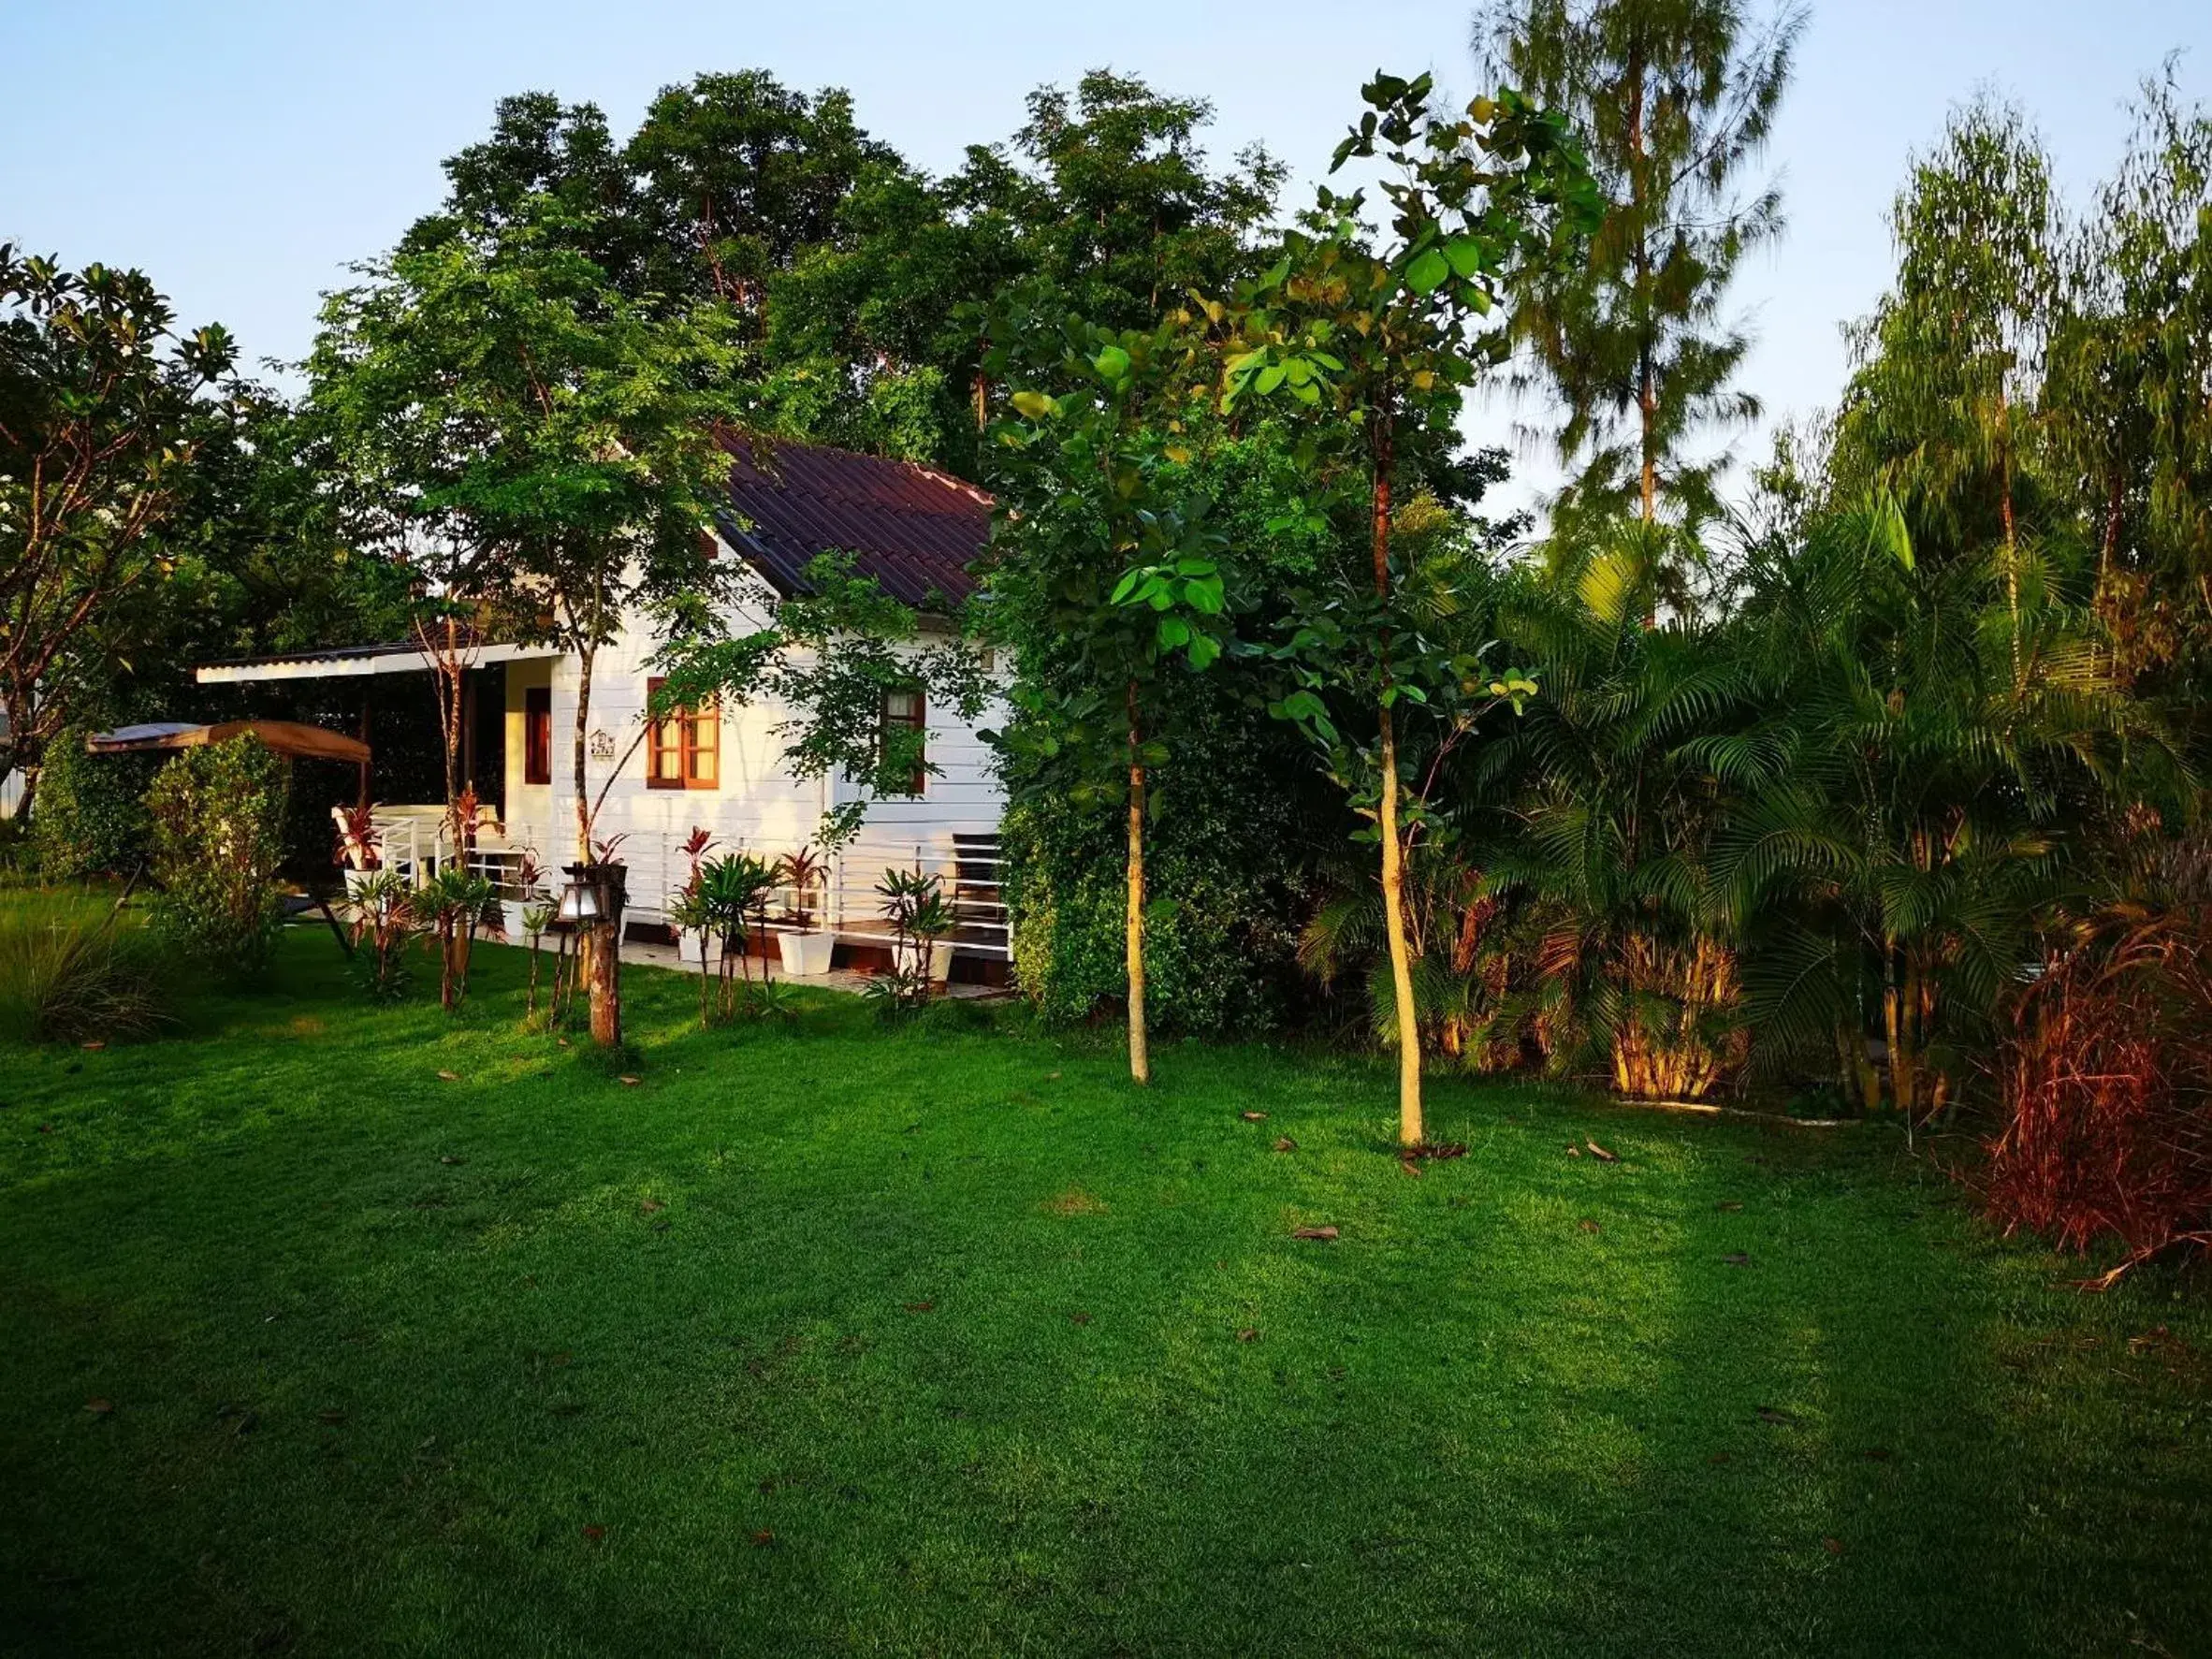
242	153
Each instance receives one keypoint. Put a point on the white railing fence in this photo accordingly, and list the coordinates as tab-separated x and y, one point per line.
846	903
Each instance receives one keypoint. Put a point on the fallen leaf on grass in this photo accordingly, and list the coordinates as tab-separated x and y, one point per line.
1325	1234
628	1079
1284	1144
1408	1166
1774	1414
593	1535
1249	1333
1254	1116
1080	1319
1601	1153
1833	1545
1718	1457
1877	1454
764	1539
91	1048
1574	1151
449	1159
1437	1150
330	1415
921	1307
651	1205
1736	1258
1728	1209
99	1407
1589	1226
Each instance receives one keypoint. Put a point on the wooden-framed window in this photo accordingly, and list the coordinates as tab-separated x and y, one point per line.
537	733
907	711
685	751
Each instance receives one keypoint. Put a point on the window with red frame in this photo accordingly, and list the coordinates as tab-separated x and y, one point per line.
537	735
684	751
906	711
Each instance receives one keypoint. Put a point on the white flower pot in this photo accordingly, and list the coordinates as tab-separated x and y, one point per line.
806	955
511	920
941	959
354	878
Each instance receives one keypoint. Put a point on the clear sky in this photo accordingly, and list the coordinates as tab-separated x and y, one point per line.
242	153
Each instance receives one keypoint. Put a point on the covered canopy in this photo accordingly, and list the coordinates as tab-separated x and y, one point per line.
287	737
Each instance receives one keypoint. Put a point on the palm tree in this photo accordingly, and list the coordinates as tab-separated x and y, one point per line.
1949	735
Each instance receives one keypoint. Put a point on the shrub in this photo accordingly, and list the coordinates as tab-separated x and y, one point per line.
218	829
90	815
71	972
1221	956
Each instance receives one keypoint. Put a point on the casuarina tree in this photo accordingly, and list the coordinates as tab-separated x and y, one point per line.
1675	100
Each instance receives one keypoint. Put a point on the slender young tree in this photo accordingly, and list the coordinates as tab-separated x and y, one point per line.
1382	346
1106	574
1675	100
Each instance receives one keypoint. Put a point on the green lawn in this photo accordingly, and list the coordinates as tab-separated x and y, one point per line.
946	1341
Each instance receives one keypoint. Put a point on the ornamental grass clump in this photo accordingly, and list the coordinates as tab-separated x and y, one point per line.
71	972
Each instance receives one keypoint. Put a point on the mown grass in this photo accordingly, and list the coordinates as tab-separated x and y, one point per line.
946	1341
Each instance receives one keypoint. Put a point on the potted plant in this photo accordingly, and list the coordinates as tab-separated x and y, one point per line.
522	889
360	846
921	919
808	947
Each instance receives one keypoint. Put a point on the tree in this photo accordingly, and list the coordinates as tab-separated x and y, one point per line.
101	408
1674	99
1941	406
2129	356
736	175
1106	566
1382	346
549	441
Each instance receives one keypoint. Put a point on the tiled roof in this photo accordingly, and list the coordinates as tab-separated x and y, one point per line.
914	529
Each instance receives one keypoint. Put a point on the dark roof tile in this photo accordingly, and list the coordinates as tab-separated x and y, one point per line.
914	529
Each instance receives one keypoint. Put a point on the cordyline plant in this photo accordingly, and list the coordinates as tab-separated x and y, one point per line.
1378	347
1104	545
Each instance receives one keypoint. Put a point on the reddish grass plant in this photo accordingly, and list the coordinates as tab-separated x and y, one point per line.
2107	1090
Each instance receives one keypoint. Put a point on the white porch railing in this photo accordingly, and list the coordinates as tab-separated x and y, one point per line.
847	903
416	841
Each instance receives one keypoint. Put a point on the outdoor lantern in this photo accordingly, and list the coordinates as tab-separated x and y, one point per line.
579	899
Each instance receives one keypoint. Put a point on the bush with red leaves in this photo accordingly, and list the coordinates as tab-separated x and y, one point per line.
2107	1090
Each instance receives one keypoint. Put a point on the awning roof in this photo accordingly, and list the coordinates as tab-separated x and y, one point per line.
288	738
349	660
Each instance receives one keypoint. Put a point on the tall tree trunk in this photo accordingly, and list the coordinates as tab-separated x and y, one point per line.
1410	1130
583	657
2011	546
1140	1050
1647	380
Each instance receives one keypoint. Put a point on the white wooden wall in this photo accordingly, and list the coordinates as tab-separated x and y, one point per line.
757	806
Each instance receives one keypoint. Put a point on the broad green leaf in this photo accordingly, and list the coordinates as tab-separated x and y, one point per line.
1427	272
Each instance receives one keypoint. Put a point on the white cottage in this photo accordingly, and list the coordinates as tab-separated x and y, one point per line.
916	531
